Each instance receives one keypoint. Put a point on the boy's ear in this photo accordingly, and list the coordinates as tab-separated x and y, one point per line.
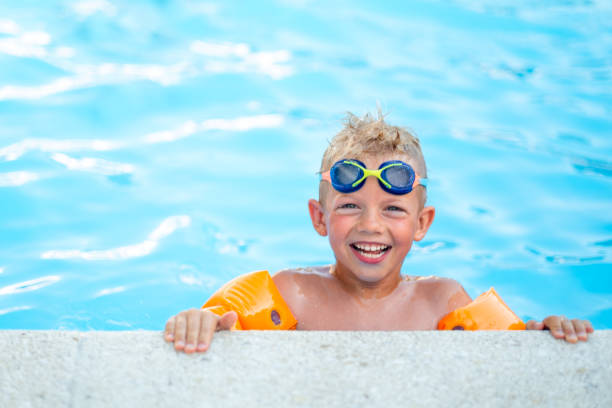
426	217
317	216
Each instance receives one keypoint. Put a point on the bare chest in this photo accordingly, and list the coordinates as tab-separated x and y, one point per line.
402	311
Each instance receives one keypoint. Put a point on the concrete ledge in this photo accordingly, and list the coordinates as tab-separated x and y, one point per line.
323	369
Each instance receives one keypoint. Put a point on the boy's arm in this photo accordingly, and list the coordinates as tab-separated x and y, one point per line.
563	328
192	330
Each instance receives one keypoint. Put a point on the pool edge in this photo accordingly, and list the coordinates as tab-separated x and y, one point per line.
119	368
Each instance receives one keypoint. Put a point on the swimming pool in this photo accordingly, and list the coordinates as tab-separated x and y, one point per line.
151	151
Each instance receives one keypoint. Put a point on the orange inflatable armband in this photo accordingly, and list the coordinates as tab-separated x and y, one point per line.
486	312
256	300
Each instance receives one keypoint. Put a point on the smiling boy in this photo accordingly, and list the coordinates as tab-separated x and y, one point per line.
372	207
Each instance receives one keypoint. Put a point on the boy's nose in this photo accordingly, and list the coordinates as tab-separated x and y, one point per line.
369	221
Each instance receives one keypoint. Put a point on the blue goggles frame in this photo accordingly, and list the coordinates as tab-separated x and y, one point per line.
394	176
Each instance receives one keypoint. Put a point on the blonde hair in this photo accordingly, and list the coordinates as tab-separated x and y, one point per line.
368	136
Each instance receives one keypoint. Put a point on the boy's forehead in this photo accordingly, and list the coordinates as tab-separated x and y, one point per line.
374	160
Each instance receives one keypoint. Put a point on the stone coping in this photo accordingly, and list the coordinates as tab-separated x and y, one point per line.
305	369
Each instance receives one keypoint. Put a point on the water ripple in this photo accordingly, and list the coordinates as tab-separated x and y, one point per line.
14	309
575	260
120	324
28	286
435	246
566	259
17	178
607	243
167	227
110	291
507	71
586	165
93	165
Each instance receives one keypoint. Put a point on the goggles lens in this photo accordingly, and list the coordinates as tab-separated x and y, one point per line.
399	175
346	174
395	177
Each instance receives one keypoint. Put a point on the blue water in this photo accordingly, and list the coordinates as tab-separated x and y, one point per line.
150	151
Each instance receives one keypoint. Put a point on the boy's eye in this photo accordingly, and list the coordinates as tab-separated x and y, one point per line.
348	206
394	208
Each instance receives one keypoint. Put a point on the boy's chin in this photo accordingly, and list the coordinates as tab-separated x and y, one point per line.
371	274
369	280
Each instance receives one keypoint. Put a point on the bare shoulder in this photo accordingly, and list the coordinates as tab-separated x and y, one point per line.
445	292
300	275
435	282
299	284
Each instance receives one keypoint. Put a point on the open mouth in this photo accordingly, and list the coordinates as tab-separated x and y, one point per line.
370	251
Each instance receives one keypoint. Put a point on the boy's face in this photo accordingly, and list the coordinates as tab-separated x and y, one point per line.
370	230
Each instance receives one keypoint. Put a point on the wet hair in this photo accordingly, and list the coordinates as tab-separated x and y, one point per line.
368	136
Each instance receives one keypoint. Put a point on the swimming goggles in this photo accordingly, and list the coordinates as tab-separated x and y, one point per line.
395	177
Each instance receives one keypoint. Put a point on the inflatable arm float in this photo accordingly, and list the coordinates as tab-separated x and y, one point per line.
487	312
256	300
259	306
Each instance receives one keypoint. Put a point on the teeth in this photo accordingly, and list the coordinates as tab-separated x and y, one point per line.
369	255
370	247
371	250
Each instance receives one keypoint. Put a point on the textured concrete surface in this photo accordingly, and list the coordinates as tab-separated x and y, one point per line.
310	369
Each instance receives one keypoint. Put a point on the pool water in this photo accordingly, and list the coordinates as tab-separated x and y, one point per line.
150	151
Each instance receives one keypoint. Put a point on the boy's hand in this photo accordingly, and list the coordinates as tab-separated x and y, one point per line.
192	330
562	328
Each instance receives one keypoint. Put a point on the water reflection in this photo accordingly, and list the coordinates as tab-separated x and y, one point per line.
167	227
14	309
110	291
565	258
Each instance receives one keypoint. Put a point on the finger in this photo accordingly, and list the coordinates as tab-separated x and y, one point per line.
580	329
209	325
553	323
588	326
169	331
568	330
193	330
202	336
227	320
179	331
534	325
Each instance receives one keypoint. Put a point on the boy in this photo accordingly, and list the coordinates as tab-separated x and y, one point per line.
371	222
